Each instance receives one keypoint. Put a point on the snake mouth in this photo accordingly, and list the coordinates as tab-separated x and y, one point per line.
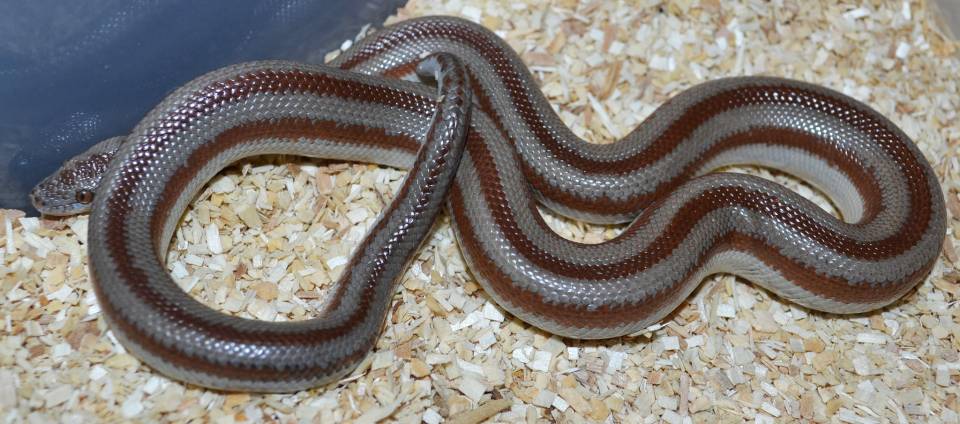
54	210
39	204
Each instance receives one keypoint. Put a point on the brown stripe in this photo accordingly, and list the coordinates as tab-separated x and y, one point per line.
501	58
675	232
399	34
145	289
505	288
516	86
825	287
199	105
681	129
612	316
864	182
401	71
285	128
269	81
125	326
289	128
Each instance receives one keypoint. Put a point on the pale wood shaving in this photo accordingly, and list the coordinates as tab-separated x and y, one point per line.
267	237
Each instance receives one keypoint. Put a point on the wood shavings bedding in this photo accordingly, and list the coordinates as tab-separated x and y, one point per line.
267	237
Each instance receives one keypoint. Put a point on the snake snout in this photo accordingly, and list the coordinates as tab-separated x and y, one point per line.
36	201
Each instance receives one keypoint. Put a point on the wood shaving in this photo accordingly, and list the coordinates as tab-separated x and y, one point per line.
267	237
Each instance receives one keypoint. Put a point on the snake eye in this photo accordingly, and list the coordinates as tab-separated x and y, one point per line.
84	196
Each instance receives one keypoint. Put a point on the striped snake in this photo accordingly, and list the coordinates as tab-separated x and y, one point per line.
514	153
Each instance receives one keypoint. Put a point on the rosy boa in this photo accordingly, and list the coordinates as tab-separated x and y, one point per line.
685	222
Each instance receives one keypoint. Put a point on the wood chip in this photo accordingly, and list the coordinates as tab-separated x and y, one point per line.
480	414
267	238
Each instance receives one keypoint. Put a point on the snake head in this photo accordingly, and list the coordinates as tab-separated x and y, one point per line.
71	189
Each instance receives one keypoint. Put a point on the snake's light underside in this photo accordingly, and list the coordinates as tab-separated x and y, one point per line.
685	222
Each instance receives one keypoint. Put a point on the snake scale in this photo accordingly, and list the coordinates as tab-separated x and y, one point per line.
484	143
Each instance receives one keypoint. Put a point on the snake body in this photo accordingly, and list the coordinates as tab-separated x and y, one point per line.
685	222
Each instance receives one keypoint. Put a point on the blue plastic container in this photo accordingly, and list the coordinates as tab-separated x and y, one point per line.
74	73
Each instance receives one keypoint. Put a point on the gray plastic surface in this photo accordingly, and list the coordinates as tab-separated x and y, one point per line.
946	15
74	73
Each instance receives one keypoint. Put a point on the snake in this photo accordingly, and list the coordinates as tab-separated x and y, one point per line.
452	103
